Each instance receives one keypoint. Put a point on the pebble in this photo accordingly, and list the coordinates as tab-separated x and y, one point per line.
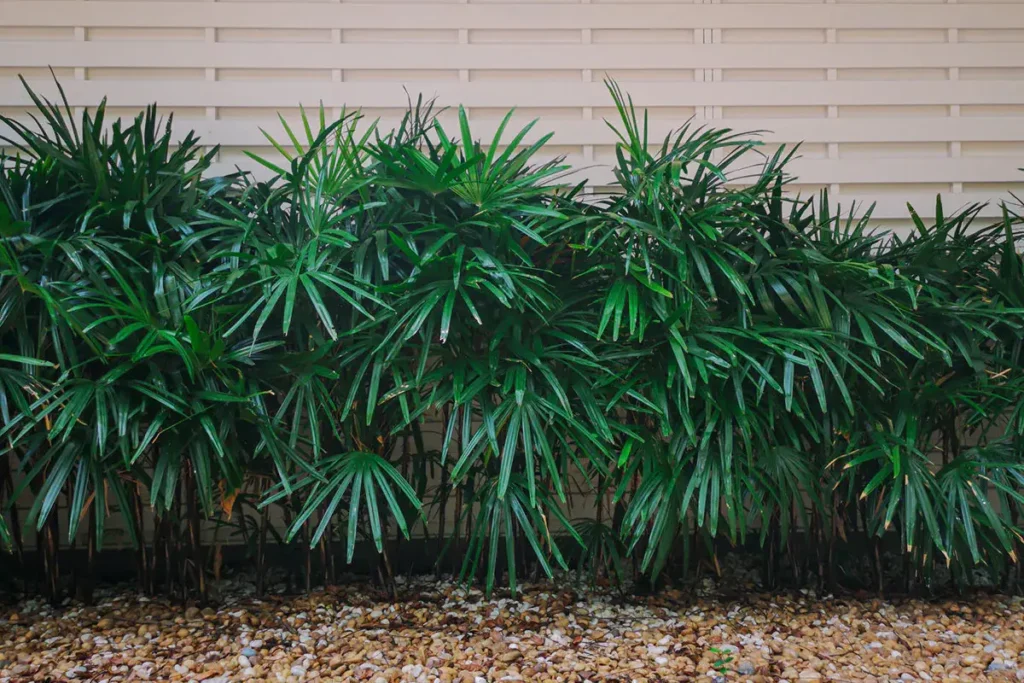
444	632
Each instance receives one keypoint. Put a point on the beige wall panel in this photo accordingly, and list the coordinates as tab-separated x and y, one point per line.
37	33
10	75
549	117
522	75
642	36
258	116
130	74
404	36
391	76
273	35
664	119
632	76
806	150
891	98
769	35
806	190
882	2
923	35
774	75
992	110
892	150
273	76
388	118
993	149
184	117
889	74
101	33
237	155
775	112
995	74
878	111
1016	188
524	36
927	191
1007	35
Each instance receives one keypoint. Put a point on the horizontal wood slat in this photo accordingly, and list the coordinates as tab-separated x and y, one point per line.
815	171
280	92
248	133
523	16
995	129
385	56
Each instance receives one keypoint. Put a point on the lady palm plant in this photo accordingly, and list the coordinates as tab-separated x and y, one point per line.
397	323
93	277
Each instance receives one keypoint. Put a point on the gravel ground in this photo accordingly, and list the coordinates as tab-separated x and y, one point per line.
442	632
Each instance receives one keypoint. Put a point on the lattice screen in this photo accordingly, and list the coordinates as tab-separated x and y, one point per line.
895	101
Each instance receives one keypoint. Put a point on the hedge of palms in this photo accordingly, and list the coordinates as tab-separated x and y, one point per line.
410	330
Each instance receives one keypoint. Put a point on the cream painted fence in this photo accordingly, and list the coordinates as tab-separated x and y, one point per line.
895	101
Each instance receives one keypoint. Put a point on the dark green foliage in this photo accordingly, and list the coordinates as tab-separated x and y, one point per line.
398	323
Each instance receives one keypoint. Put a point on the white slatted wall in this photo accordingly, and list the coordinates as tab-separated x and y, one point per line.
895	101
